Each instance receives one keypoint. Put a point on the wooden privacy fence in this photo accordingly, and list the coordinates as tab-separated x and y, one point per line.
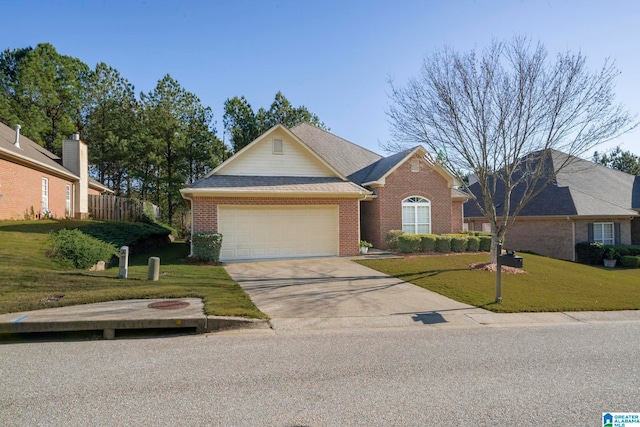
115	208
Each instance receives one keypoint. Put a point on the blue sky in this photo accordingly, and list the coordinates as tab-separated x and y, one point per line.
334	57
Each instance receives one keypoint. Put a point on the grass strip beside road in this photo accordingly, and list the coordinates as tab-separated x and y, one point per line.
549	285
30	281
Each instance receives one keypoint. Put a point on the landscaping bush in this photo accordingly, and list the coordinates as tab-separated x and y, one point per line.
630	261
409	243
126	233
73	247
427	242
589	253
392	239
206	246
485	243
443	244
458	243
623	250
473	244
475	233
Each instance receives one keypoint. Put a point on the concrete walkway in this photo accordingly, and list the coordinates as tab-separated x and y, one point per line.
337	292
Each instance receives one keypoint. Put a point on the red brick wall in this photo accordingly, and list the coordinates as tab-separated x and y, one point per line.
21	189
385	213
552	238
205	215
457	216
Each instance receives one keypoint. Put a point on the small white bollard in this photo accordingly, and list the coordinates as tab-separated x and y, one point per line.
124	262
154	268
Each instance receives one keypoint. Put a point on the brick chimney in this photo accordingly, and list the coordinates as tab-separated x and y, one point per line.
75	158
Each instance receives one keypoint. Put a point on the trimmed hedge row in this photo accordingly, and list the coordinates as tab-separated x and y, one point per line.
592	253
630	261
411	243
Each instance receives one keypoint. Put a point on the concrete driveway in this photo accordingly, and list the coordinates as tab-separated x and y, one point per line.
337	292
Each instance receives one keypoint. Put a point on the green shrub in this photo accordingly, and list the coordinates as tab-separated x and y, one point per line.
458	243
589	253
473	244
443	244
73	247
392	239
630	261
409	243
623	250
485	243
125	233
206	246
427	242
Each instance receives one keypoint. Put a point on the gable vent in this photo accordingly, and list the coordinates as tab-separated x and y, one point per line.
278	146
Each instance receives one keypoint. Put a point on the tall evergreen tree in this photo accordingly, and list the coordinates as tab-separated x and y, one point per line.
110	125
44	91
244	125
179	131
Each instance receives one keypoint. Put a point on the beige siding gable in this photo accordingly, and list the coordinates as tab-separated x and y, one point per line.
259	159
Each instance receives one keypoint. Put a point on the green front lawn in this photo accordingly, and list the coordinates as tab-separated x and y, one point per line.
29	280
547	285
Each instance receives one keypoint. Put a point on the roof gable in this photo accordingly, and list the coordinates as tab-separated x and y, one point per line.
344	156
259	158
376	173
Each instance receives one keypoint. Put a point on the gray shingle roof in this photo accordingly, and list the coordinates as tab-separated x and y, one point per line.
356	163
583	188
344	156
30	151
276	184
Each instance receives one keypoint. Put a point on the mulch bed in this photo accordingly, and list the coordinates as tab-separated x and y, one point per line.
487	266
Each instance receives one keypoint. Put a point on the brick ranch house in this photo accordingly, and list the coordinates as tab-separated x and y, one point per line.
585	202
306	192
35	182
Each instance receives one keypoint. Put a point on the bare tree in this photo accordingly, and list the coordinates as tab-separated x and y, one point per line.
499	116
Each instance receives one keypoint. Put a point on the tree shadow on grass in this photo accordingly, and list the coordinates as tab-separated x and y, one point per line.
428	273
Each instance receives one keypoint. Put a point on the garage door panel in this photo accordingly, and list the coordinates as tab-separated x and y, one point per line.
278	231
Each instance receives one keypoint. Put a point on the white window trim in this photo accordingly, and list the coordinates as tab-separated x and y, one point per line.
67	200
45	195
602	240
416	202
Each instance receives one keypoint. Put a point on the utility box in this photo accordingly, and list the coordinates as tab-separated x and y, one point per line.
510	259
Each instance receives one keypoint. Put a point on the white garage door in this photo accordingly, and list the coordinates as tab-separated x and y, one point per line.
277	231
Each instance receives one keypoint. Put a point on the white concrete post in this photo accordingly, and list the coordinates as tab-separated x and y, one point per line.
154	268
124	262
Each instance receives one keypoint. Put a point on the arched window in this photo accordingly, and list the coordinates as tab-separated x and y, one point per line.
416	215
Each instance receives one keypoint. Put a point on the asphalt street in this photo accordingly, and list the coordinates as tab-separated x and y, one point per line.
563	374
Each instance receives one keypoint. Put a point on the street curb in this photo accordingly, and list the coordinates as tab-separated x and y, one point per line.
222	323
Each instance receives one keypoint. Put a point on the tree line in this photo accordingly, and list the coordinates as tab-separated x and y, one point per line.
146	145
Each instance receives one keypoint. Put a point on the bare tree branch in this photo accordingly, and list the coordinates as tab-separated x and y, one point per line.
500	114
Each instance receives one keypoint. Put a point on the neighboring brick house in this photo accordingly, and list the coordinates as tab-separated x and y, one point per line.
585	202
35	182
306	192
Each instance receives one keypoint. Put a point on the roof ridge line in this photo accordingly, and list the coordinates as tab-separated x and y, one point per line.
339	137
